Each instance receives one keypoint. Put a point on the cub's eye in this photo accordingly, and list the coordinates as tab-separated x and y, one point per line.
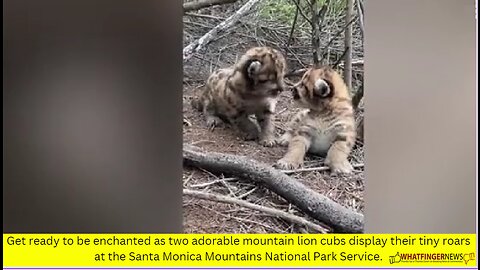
262	81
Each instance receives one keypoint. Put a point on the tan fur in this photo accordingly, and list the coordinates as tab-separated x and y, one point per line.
250	87
326	127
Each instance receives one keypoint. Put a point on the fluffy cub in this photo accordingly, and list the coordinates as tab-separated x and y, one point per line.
250	87
327	125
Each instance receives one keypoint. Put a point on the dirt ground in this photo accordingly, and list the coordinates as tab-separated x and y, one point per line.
201	216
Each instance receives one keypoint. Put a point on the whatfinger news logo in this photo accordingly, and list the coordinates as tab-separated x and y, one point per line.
432	257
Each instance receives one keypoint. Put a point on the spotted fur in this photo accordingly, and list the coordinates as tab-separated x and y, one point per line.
250	87
327	125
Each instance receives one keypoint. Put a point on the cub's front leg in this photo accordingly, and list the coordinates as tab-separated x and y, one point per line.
337	156
297	148
211	119
292	125
267	128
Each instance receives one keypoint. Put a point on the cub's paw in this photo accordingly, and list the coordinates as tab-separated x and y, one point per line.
343	167
286	164
284	140
268	141
213	122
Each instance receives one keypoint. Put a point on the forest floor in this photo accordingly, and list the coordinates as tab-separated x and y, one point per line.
202	216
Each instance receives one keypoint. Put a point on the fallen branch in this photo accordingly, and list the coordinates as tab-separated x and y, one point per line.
356	62
319	207
199	4
267	210
316	169
197	45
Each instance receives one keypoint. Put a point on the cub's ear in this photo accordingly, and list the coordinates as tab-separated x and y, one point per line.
322	89
253	67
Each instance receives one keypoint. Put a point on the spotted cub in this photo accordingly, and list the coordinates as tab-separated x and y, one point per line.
326	127
250	87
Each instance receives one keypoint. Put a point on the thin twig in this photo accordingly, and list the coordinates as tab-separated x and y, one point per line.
340	59
357	97
301	12
317	169
199	4
270	211
213	182
338	33
299	72
198	44
242	219
188	179
204	16
247	193
230	189
356	62
293	26
186	122
323	13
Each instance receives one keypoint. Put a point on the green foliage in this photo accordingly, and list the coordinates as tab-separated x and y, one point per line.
283	11
337	6
278	10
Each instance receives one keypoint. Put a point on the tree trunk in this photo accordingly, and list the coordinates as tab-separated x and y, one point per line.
348	45
315	32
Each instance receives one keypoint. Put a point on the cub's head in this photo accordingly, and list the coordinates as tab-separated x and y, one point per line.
262	70
320	88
